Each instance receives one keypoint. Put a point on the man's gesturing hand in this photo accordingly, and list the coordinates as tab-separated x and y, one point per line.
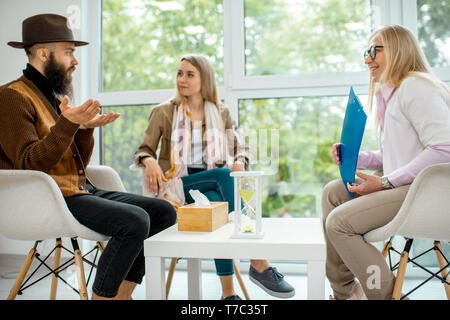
82	114
100	120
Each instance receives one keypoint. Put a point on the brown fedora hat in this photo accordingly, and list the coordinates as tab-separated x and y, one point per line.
45	28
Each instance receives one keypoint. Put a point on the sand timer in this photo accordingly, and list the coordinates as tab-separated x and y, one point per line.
247	215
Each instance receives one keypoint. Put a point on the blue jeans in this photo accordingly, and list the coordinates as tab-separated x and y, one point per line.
216	185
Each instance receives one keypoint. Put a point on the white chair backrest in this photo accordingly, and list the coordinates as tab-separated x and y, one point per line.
425	212
106	178
32	206
428	206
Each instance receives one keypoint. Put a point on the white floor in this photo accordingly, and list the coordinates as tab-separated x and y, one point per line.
10	265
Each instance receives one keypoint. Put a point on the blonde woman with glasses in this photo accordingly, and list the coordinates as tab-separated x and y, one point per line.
413	121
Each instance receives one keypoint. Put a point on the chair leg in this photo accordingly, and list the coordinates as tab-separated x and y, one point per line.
100	246
241	282
170	275
56	263
386	248
80	270
23	272
172	270
442	265
397	292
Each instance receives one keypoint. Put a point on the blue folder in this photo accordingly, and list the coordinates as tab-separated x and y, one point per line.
351	137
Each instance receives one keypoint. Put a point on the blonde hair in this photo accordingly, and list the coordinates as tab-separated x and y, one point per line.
404	58
208	81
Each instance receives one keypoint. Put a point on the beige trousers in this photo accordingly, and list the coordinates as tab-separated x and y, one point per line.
345	221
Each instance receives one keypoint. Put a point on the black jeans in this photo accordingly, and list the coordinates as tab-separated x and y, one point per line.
128	219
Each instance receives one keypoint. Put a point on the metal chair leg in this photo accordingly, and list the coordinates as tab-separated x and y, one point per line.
56	264
241	282
397	292
23	272
80	270
442	266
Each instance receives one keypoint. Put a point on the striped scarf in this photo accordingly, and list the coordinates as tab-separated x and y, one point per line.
181	145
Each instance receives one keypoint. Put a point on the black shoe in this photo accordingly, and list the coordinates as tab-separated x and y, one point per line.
272	282
232	297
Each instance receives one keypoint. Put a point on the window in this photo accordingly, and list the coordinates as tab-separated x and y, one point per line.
292	37
434	31
307	128
128	134
143	41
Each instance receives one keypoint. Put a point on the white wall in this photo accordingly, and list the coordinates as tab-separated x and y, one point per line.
13	61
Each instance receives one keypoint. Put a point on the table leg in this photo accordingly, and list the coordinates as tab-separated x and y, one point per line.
155	278
316	280
194	279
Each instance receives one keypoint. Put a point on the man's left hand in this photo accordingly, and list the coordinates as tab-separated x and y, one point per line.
100	120
370	183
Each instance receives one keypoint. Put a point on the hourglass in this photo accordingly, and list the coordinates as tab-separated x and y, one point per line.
247	215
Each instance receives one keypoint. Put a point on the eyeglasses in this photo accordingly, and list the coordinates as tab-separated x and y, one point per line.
372	52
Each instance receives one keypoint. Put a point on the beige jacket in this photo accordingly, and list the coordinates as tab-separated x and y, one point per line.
160	129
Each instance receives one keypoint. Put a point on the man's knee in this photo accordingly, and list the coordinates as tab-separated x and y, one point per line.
165	214
170	215
138	222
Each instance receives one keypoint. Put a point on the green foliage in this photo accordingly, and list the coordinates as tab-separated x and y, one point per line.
143	44
122	139
295	37
433	17
324	166
307	129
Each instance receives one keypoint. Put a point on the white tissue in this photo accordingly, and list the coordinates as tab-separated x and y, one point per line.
200	199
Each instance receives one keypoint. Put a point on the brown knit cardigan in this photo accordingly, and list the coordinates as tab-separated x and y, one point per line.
33	136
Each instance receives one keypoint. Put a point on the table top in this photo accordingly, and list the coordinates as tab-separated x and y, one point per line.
284	239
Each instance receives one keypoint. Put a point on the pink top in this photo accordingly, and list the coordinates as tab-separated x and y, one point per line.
373	160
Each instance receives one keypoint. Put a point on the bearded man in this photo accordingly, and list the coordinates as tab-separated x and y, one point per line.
39	130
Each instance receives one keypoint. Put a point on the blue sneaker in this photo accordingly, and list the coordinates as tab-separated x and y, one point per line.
272	282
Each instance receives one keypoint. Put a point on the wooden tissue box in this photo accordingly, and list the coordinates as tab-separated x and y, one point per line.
192	218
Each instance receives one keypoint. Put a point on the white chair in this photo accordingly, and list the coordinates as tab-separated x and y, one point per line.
32	207
424	214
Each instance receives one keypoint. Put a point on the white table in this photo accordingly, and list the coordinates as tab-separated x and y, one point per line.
290	239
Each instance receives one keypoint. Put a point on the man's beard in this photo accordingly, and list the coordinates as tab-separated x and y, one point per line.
58	78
